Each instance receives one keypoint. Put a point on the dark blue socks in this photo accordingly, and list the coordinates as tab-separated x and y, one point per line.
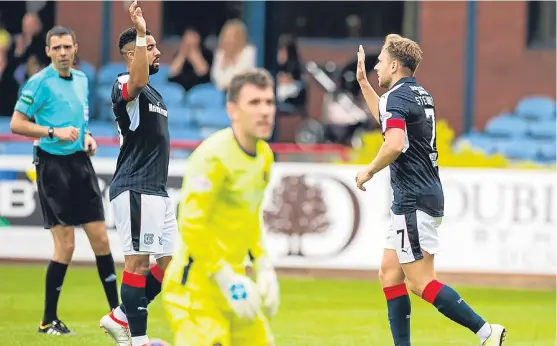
450	304
398	304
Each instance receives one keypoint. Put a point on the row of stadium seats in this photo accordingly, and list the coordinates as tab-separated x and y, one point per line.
201	96
528	134
204	97
192	116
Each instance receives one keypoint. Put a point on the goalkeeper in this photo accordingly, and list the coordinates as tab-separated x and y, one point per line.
208	298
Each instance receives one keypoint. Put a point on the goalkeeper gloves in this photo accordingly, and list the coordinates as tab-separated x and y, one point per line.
267	285
240	292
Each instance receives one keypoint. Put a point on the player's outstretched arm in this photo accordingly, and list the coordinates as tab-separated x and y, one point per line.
139	69
371	97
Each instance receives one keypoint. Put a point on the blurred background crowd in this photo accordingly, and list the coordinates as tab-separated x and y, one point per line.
489	66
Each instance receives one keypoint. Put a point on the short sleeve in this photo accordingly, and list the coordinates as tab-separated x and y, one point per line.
393	111
32	97
120	90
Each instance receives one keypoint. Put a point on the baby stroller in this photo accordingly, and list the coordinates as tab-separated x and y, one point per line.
345	115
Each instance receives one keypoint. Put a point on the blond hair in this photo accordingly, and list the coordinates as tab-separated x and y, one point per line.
238	25
404	50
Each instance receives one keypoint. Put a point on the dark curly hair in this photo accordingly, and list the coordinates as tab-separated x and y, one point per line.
128	36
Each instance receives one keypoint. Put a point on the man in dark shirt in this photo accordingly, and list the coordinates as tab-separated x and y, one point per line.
406	113
143	212
192	63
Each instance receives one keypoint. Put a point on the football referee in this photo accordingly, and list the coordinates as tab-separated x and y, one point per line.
56	98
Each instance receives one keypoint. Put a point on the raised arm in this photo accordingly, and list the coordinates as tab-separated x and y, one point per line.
139	69
371	97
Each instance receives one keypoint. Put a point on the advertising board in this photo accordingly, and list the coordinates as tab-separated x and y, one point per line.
496	221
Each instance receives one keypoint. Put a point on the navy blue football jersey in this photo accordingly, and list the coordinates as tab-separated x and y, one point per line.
414	174
142	164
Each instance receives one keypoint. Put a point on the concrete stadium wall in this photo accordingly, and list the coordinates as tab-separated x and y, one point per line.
506	68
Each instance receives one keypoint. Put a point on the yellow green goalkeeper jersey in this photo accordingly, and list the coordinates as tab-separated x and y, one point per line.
219	214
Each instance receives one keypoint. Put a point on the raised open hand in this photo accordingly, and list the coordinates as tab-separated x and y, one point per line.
361	74
138	21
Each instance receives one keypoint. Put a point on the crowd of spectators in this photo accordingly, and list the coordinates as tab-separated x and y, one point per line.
195	61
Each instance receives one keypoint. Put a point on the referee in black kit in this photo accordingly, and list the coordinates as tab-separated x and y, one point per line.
57	99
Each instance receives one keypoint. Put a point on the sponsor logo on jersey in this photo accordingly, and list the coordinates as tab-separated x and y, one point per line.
157	109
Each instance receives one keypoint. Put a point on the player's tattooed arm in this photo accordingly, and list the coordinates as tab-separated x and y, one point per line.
139	69
371	97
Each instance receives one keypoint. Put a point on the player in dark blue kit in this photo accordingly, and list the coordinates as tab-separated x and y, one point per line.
406	113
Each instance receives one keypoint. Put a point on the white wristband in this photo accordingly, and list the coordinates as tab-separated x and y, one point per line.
140	41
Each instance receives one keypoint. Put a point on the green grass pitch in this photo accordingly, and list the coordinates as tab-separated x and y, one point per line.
314	312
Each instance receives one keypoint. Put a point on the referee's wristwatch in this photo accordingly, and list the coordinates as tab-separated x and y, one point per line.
51	132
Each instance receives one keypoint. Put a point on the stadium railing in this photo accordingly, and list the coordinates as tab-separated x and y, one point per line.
286	152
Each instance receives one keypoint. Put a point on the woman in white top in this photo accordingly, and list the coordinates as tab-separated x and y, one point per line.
234	54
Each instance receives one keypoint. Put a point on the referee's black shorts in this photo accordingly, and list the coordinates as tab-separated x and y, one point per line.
68	189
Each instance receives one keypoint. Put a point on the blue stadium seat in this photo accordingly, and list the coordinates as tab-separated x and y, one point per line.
519	149
18	148
104	93
547	151
161	76
108	73
88	69
172	94
213	118
541	108
205	96
5	124
107	151
104	102
478	141
506	125
180	116
191	134
543	129
90	72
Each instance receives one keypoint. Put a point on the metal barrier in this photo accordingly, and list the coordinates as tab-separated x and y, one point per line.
291	152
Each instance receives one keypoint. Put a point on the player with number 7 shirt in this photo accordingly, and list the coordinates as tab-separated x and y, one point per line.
406	113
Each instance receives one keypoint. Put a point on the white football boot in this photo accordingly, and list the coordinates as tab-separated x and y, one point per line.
117	329
497	337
